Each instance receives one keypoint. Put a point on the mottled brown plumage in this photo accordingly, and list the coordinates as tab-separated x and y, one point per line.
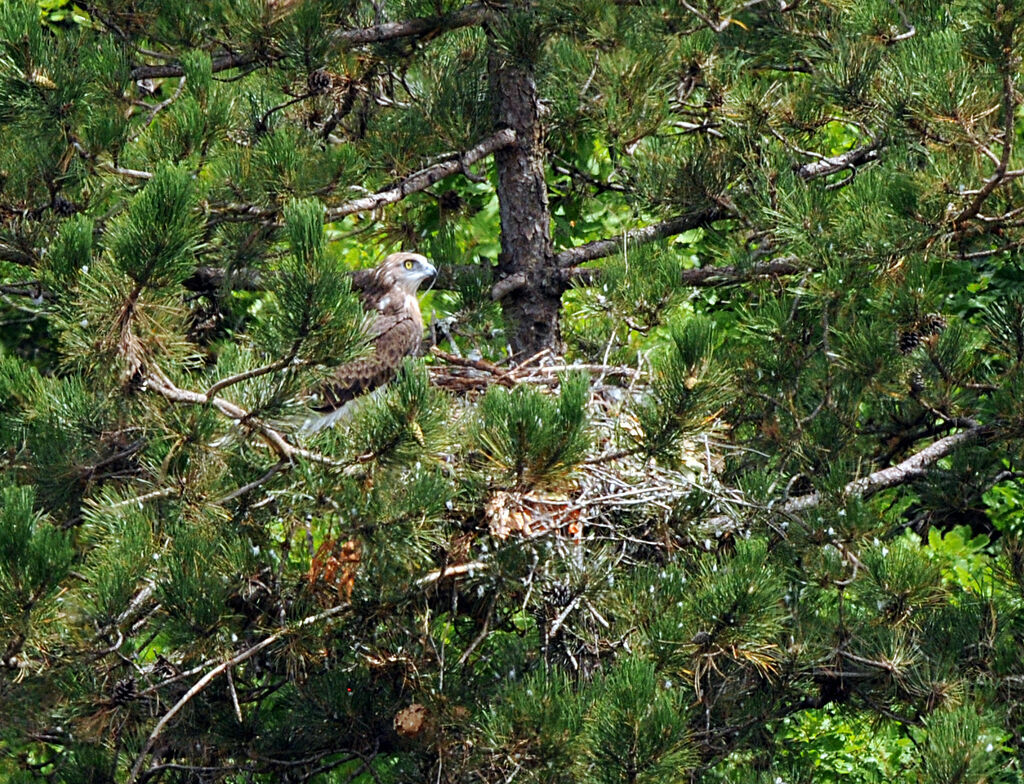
388	293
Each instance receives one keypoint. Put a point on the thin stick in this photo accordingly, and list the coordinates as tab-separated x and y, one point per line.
207	679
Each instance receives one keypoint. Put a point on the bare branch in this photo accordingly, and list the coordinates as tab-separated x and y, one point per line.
425	178
501	375
710	277
280	465
452	571
414	183
164	492
109	167
207	679
414	28
717	27
846	160
228	381
158	382
163	105
900	473
598	249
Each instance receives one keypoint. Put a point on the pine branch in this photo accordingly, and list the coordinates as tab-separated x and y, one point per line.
165	492
220	669
222	62
156	381
1000	173
106	166
16	256
710	277
414	28
425	178
279	466
911	468
725	276
472	14
600	248
209	280
835	163
452	571
414	183
715	26
246	375
33	289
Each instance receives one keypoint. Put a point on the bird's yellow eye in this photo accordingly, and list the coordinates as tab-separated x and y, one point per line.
408	264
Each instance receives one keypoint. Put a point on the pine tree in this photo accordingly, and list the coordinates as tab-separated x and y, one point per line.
712	473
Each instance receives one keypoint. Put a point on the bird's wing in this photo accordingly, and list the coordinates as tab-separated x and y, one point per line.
396	333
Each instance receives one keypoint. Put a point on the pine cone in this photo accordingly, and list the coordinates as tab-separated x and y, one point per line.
907	340
933	324
916	384
124	691
319	81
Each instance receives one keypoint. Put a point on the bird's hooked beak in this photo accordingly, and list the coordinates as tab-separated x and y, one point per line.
429	274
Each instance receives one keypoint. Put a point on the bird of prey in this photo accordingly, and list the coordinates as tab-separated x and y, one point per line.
388	294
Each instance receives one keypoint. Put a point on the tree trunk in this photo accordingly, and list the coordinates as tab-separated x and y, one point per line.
530	311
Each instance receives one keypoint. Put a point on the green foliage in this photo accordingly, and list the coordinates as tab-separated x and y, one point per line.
1005	504
530	439
408	424
542	718
155	240
832	746
900	583
121	556
766	531
70	253
34	559
686	387
963	555
635	729
962	745
314	317
195	592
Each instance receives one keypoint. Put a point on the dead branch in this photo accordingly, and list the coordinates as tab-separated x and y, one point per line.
835	163
414	183
909	469
710	277
598	249
413	28
501	375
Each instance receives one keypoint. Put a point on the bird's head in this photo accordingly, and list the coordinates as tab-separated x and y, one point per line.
409	270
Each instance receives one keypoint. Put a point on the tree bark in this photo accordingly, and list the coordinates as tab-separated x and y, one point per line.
531	311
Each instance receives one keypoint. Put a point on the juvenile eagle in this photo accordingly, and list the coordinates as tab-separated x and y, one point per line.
388	294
